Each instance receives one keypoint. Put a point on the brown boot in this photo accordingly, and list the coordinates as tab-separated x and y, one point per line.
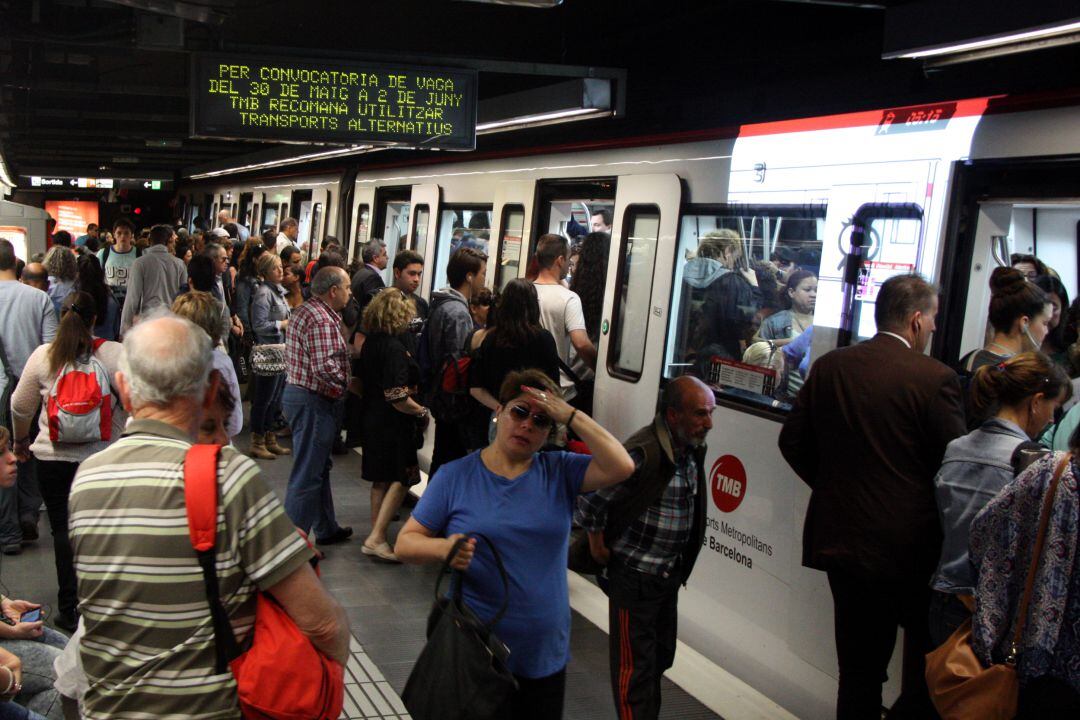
258	448
272	445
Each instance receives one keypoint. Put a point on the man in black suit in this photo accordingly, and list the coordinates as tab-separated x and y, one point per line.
368	279
867	434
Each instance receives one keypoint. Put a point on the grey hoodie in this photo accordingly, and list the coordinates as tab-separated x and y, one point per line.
700	272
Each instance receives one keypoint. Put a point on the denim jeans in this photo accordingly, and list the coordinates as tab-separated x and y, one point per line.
947	613
314	420
38	695
23	500
266	391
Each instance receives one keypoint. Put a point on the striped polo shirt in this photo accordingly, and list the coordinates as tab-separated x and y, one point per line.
148	651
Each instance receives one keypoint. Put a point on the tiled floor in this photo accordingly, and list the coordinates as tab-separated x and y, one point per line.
387	607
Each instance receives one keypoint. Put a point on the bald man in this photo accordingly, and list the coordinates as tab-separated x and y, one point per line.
646	533
35	275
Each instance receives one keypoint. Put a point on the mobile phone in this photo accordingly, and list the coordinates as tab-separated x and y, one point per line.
31	615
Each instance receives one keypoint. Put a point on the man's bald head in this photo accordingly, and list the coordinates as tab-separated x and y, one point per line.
34	275
331	285
681	390
166	359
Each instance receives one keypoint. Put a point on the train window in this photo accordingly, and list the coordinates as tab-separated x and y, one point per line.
363	218
419	241
460	226
270	216
743	299
633	297
513	225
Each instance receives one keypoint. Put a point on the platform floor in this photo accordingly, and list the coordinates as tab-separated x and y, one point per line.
387	607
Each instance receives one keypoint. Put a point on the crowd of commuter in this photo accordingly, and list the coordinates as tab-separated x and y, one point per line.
923	522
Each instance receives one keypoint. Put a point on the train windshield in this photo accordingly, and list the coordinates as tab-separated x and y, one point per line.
743	300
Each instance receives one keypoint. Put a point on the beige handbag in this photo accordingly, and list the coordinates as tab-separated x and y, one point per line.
960	687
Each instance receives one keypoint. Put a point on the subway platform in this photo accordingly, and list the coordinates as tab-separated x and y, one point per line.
387	607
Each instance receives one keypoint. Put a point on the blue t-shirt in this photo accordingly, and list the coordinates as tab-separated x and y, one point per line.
528	520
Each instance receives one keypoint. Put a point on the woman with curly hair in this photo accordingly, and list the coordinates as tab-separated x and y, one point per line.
392	419
62	270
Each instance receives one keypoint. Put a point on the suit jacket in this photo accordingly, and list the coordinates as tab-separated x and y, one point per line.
365	283
867	433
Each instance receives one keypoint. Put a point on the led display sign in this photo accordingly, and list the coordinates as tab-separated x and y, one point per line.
327	101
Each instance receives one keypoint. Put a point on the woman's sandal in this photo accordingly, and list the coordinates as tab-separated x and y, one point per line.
380	553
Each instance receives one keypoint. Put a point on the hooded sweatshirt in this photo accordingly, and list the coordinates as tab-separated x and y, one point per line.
449	325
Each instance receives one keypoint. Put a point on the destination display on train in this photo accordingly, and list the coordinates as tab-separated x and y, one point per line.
326	101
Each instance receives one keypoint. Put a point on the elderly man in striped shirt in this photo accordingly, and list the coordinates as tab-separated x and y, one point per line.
149	648
317	367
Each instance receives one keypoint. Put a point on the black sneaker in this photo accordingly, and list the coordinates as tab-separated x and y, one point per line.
339	536
12	549
29	530
68	622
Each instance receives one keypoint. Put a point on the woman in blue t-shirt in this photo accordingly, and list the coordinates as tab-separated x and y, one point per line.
522	500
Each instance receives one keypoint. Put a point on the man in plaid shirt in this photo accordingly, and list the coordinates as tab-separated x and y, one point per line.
647	531
317	367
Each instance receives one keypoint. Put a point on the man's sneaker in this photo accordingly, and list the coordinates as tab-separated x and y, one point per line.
29	530
13	549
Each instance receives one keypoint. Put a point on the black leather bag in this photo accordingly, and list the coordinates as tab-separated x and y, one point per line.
461	673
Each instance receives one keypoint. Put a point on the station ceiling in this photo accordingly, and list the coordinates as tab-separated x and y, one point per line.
95	86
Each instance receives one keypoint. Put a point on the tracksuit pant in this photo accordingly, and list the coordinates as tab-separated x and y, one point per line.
643	625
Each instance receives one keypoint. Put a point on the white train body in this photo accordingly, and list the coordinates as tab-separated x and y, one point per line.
750	607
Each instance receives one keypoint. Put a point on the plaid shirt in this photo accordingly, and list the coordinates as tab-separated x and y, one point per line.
652	543
316	357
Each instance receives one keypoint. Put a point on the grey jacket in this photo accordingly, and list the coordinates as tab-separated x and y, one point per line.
975	468
449	326
267	311
156	279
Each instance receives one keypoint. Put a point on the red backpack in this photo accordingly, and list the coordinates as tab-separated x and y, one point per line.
79	408
281	676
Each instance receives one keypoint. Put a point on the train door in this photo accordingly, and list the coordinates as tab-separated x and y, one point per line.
423	225
640	262
255	225
364	199
244	215
320	216
393	212
459	226
566	207
271	216
510	213
1006	208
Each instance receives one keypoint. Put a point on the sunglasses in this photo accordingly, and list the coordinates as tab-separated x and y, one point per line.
522	413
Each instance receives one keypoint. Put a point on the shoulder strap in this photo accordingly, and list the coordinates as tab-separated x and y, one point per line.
105	255
568	370
644	497
1036	556
200	499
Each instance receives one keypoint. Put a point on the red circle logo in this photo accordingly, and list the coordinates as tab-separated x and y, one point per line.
728	482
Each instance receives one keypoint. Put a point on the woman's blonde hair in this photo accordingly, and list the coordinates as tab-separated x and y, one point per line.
265	263
715	243
202	309
388	312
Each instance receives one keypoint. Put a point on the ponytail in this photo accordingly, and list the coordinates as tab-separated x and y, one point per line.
74	336
1017	379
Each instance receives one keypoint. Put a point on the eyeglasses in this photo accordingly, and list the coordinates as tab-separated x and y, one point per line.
522	413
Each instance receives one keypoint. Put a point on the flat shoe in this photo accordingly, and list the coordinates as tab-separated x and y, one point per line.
380	553
341	535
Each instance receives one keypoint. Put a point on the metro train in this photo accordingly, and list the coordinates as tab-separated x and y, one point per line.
948	190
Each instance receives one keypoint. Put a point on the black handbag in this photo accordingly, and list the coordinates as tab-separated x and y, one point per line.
461	673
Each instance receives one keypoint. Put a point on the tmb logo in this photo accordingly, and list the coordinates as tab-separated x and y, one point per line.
727	479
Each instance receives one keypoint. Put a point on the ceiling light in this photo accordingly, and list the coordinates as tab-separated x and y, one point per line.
1059	33
551	118
5	179
278	162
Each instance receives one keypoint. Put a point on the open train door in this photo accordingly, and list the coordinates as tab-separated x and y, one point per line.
360	232
512	215
423	224
320	211
640	264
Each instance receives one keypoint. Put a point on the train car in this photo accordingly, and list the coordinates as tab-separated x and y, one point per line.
948	190
25	227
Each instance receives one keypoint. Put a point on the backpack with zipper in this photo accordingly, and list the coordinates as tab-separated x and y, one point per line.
79	408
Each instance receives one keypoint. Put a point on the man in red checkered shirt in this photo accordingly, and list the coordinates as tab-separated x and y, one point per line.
317	367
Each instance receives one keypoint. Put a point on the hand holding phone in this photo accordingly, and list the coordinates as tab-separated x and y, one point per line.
31	616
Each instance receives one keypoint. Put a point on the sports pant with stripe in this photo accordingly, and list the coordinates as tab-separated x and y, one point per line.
643	622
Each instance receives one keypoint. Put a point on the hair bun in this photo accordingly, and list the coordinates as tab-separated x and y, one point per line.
1007	281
